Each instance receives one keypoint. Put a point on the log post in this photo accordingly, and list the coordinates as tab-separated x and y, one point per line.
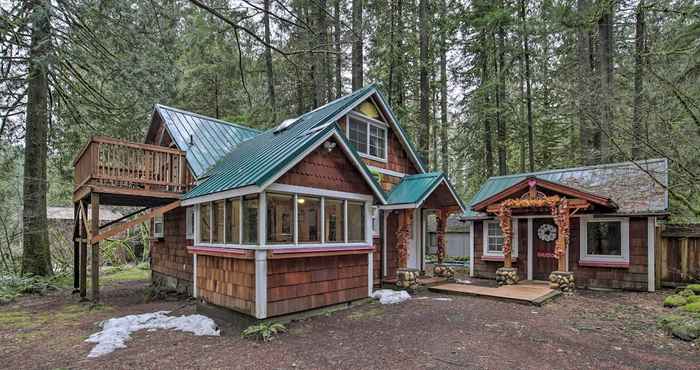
82	236
76	247
441	229
94	231
684	259
402	235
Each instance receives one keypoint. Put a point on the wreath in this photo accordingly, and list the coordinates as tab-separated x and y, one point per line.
547	232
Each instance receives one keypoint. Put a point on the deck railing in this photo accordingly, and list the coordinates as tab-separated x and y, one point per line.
110	162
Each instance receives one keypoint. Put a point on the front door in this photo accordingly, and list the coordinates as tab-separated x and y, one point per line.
544	239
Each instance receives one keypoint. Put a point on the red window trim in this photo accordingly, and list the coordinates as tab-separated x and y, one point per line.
496	258
367	248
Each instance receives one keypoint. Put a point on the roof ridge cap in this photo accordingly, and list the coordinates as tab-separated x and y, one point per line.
579	168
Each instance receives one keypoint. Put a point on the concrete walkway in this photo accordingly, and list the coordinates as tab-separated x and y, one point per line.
526	292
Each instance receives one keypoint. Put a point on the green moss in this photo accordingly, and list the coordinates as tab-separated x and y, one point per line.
366	314
693	299
686	293
694	287
675	301
17	320
692	307
128	274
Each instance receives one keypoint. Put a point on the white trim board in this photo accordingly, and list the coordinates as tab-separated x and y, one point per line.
387	172
624	242
651	256
304	190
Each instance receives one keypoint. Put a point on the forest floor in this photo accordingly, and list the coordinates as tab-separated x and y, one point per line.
588	330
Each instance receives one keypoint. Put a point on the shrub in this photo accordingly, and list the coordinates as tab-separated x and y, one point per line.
265	331
13	286
675	301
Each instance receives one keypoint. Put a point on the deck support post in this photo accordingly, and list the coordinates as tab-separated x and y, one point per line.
76	248
95	246
82	237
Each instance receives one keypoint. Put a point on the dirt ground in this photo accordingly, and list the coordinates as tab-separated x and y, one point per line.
589	330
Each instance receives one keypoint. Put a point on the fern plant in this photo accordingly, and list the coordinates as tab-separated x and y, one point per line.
265	331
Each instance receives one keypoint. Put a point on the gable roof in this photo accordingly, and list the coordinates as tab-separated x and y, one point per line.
631	188
257	161
415	189
211	138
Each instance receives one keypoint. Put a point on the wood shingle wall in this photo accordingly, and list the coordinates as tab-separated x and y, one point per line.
170	262
227	282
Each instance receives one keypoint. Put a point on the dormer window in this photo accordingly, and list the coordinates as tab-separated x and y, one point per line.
368	136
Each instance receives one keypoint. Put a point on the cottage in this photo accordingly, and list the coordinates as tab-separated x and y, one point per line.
314	212
593	225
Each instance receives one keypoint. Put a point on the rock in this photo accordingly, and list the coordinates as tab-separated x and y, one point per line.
694	287
692	307
686	331
694	299
675	301
686	293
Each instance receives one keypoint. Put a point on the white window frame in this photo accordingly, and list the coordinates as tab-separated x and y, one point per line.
624	243
374	221
514	242
370	122
189	220
159	219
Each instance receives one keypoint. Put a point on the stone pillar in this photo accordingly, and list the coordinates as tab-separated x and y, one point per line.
506	276
562	280
407	279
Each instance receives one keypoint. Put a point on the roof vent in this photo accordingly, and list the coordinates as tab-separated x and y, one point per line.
285	124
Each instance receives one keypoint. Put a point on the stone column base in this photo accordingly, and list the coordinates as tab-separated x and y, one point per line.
407	279
563	281
507	276
444	271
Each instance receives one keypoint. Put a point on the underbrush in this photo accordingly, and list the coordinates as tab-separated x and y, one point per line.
13	286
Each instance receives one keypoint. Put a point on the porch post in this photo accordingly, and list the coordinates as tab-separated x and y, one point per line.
405	278
441	228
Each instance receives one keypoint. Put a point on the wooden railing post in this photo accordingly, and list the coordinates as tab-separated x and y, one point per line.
684	259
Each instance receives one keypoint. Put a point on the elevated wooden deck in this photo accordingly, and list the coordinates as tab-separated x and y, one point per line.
130	174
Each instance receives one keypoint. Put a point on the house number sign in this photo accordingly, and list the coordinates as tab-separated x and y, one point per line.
547	232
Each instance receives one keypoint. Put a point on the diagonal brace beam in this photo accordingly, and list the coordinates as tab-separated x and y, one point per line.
144	217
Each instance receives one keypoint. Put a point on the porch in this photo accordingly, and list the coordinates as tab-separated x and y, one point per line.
526	292
148	178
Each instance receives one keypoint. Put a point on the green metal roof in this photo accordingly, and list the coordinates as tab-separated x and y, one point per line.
211	138
414	188
255	161
631	188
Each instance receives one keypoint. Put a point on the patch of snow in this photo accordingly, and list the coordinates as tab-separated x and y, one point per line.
460	281
115	332
442	299
388	296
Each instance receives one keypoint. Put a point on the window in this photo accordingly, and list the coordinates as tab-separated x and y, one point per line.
204	222
233	221
605	240
309	219
189	220
217	232
356	222
375	221
493	239
334	221
280	211
158	226
367	136
250	219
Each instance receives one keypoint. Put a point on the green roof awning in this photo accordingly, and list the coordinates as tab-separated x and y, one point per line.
413	190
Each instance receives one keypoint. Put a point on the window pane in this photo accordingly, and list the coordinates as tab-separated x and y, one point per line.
190	222
375	220
309	218
334	227
495	237
377	141
604	238
217	235
204	222
280	208
234	221
356	222
250	219
358	134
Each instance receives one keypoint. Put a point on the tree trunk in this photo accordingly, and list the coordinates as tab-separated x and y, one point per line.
605	96
488	149
500	102
357	45
424	28
443	91
639	50
583	90
268	62
338	53
36	255
528	89
400	90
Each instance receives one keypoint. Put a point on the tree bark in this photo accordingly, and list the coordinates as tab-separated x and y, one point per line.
605	96
268	62
488	148
528	89
424	141
583	90
639	50
338	52
500	101
357	45
36	254
444	155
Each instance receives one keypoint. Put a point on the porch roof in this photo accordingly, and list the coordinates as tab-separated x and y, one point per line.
413	190
629	184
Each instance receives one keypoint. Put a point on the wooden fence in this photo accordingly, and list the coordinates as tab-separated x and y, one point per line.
678	254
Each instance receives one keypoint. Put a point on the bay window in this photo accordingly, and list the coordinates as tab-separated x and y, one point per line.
233	221
217	222
356	222
204	222
368	136
250	219
309	219
605	240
